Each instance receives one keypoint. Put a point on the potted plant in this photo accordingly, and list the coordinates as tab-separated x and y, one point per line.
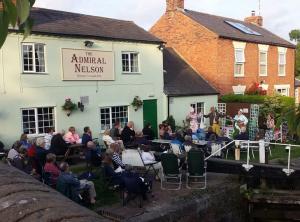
69	106
137	103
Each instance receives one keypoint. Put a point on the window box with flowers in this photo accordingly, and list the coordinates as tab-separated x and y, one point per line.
69	106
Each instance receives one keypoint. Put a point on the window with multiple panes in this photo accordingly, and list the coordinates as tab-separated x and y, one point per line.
199	107
281	63
109	115
239	65
283	90
263	63
37	120
130	62
33	58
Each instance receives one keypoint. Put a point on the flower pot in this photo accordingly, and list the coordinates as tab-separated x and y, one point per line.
68	112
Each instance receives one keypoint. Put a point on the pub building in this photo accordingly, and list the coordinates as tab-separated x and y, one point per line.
102	64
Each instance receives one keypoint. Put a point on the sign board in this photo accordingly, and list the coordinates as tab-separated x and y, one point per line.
79	64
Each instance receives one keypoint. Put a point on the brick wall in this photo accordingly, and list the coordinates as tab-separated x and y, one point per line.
213	57
196	44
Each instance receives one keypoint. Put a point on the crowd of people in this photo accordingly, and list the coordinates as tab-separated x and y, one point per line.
38	156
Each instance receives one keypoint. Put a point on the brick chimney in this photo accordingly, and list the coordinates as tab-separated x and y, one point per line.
255	19
173	5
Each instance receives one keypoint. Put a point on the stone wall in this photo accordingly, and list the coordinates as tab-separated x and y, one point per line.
25	199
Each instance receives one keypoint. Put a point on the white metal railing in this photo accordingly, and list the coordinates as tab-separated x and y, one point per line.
259	144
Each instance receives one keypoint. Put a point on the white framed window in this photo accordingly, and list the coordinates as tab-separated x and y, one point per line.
109	115
199	107
263	63
37	120
130	62
281	61
239	64
283	90
33	58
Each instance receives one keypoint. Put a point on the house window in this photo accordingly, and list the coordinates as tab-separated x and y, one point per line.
33	58
37	120
263	63
239	65
283	90
109	115
130	62
199	107
282	63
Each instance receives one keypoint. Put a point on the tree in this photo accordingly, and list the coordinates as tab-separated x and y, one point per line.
15	13
295	35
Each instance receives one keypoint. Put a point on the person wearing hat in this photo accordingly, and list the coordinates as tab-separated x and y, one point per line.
240	120
214	117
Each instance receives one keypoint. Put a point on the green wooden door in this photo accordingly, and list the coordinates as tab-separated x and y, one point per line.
150	114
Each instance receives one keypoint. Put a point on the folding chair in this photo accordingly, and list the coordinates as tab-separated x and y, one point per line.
170	166
148	166
175	148
196	169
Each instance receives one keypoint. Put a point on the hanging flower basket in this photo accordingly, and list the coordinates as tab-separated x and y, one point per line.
69	106
137	103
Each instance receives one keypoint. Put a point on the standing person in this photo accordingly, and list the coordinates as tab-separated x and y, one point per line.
128	133
240	120
214	117
193	117
148	132
115	131
72	137
269	135
48	137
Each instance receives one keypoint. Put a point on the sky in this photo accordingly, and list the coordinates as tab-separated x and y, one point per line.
280	16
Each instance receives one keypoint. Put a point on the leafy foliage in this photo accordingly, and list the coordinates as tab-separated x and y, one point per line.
137	103
69	105
232	98
292	116
295	35
15	15
171	122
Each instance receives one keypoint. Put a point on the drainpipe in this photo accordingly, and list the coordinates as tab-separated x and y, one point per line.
168	107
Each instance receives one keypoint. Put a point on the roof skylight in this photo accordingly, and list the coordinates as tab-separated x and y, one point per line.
243	28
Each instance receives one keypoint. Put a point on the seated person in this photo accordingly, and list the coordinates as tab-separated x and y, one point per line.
21	161
66	177
132	183
41	154
176	140
24	141
72	137
210	135
200	134
243	135
148	132
92	154
115	152
128	134
188	144
147	156
140	139
161	128
115	131
14	151
167	133
109	140
87	136
51	167
48	137
58	145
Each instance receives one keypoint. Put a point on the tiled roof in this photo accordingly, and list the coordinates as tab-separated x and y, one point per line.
218	25
182	80
53	22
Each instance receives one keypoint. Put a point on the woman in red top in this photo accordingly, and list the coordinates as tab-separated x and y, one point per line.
50	167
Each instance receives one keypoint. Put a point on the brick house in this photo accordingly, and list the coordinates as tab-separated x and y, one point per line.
231	55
